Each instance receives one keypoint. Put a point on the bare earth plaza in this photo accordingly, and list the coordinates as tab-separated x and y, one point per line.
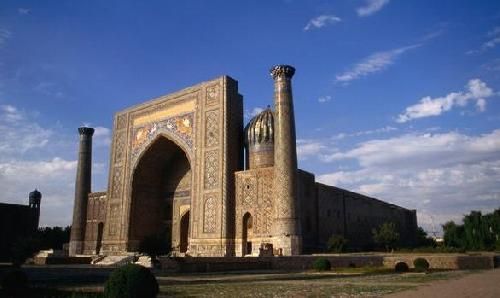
286	148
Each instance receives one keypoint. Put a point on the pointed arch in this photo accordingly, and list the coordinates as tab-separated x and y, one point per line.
161	171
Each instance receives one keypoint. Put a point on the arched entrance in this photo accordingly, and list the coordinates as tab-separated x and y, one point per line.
100	230
247	234
161	186
184	232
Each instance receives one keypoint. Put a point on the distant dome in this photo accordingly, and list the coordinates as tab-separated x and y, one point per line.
259	140
260	129
35	195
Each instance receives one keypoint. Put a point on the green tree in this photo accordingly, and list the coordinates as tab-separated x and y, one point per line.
386	235
53	237
474	231
336	243
453	235
423	240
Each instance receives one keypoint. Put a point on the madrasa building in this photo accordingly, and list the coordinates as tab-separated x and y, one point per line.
184	166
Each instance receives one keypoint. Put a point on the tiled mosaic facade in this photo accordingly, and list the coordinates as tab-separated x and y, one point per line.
177	165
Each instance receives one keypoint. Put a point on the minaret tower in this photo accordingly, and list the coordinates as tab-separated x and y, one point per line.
82	190
35	198
286	227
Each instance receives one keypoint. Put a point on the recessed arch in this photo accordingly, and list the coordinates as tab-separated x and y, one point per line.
184	232
160	186
162	135
247	234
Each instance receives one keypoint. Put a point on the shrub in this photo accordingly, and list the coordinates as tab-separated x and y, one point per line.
131	281
401	267
421	264
336	243
386	235
15	283
322	264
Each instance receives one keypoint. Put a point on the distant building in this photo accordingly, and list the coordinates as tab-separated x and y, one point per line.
185	164
18	221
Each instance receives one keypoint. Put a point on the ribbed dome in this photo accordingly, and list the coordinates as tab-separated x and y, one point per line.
260	129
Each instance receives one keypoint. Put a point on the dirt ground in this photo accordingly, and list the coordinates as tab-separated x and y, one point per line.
483	284
347	282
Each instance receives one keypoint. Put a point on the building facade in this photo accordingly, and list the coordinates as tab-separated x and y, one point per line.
18	221
183	166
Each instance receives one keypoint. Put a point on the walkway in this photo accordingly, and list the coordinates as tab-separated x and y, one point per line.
483	284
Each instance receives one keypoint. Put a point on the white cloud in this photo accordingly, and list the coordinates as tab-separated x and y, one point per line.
437	149
442	176
373	64
323	99
51	89
4	35
23	11
18	134
477	91
344	135
321	21
102	136
32	156
493	65
371	7
492	42
252	113
308	148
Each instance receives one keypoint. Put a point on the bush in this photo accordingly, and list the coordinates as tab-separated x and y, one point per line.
421	264
336	243
386	235
401	267
131	281
15	283
322	264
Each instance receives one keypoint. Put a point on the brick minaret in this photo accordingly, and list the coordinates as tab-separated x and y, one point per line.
82	190
35	197
286	226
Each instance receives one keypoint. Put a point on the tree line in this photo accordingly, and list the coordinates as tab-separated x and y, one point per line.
478	232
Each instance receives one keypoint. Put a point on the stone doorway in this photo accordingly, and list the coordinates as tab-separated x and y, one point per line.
100	230
247	234
184	233
161	186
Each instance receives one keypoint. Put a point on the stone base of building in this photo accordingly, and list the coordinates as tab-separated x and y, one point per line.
75	248
289	245
211	248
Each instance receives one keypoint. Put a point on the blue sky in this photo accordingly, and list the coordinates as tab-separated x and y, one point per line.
395	99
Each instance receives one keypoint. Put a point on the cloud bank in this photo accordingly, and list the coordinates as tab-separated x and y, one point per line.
32	156
476	91
443	176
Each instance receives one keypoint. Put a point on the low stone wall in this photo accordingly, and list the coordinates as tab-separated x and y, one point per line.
306	262
61	260
215	264
444	261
